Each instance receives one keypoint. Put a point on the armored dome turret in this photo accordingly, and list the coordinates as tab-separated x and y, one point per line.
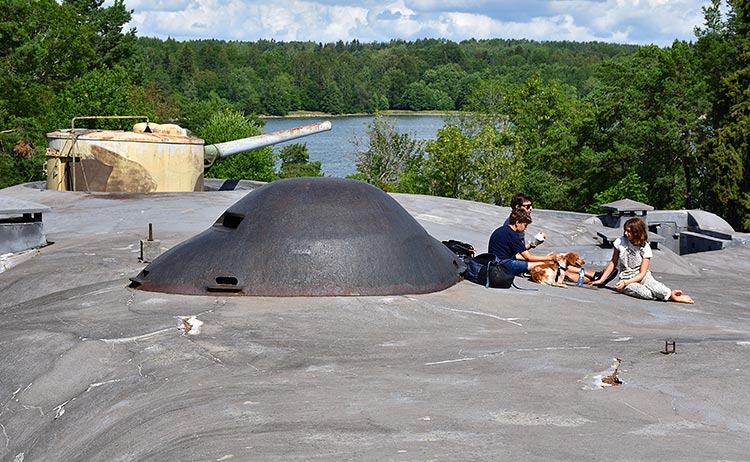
307	237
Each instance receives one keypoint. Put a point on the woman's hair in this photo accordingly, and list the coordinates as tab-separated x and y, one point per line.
520	215
638	231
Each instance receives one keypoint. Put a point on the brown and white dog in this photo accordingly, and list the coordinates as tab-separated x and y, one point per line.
554	273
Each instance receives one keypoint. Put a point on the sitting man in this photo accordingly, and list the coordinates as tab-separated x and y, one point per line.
507	244
518	201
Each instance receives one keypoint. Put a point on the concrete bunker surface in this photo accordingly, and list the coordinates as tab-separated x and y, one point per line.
307	237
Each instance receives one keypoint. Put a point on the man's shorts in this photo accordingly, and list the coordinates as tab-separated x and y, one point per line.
515	266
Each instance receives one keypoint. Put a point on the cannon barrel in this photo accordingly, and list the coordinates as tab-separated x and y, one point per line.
212	152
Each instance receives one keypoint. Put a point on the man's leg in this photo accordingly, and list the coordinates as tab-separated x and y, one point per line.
517	266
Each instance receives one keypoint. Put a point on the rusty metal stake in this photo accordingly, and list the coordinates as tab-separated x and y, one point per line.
150	232
667	345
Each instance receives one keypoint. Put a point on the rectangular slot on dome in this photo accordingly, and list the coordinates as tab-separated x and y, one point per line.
232	220
227	280
225	284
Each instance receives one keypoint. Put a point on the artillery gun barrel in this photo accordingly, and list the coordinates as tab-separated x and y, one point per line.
212	152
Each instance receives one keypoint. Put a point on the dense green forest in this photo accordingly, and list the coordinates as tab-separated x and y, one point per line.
268	77
574	124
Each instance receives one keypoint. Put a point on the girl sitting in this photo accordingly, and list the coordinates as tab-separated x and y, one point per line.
632	254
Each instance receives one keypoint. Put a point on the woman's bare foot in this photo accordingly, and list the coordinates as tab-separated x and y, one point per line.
678	296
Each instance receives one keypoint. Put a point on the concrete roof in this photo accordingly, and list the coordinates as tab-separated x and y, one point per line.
12	206
92	370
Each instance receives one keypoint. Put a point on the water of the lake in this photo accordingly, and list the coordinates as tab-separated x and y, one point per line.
335	148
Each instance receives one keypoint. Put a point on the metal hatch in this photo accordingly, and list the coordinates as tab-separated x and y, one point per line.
307	237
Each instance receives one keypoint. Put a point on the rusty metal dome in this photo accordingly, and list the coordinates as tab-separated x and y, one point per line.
307	237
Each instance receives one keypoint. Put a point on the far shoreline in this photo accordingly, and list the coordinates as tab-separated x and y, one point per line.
388	113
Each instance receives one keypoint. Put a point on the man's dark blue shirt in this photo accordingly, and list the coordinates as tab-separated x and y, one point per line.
506	243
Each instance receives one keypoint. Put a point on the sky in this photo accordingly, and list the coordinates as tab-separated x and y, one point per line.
641	22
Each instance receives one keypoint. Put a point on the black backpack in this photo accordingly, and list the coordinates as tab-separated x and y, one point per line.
464	252
461	249
486	269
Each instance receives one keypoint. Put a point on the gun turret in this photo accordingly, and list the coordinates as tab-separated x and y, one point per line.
150	158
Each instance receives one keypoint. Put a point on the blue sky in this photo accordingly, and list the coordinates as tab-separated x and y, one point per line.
641	22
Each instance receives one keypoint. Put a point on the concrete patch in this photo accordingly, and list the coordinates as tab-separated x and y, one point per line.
528	419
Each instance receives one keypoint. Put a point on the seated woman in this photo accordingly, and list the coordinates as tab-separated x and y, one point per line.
507	244
632	254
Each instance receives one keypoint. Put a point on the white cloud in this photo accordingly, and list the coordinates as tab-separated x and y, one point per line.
561	27
343	20
637	21
622	21
467	25
159	5
443	5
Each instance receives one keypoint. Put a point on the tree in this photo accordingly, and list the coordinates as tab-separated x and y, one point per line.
279	95
417	97
241	88
195	113
103	92
20	161
470	160
726	154
685	105
395	82
41	47
546	132
629	187
228	125
389	159
449	168
332	99
295	162
446	79
650	111
110	44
